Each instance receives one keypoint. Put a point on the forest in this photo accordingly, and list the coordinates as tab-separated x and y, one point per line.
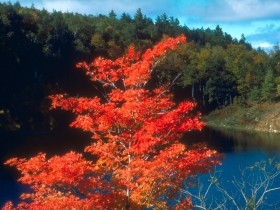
39	50
136	86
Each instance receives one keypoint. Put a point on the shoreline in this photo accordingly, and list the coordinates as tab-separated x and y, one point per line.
259	118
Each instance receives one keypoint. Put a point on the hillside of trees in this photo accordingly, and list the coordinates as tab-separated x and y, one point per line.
39	50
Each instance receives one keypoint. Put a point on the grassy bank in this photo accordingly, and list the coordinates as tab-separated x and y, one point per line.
262	117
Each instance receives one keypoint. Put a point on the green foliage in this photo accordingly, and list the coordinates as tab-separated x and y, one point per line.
277	83
39	48
255	94
268	86
220	87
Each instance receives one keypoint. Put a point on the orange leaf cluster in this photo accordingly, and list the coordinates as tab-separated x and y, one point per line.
138	159
128	68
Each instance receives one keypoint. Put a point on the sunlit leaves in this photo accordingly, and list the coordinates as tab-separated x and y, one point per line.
137	159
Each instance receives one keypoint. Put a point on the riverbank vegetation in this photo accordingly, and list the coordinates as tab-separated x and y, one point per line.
263	117
39	50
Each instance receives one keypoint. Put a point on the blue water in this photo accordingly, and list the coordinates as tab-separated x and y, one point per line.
230	171
22	145
241	150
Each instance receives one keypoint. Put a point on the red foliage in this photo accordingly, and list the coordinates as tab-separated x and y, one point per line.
136	135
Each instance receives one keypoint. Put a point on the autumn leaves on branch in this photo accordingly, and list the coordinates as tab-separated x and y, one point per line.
138	161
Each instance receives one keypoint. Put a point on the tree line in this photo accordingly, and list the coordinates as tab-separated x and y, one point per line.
39	50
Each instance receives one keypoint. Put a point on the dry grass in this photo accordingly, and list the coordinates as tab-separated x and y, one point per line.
261	117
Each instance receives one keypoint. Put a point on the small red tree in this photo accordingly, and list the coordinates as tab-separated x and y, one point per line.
138	159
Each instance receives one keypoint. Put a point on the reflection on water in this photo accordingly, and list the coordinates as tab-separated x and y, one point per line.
240	148
268	142
56	142
236	141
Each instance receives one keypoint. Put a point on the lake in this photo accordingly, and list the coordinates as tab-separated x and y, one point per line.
241	149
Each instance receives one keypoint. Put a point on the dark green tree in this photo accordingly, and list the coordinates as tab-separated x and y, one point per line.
268	86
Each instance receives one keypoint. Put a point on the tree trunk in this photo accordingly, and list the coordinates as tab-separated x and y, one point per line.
193	92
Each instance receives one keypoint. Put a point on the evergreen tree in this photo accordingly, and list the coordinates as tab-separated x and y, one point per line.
268	86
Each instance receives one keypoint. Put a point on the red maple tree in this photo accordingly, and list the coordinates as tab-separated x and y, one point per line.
138	161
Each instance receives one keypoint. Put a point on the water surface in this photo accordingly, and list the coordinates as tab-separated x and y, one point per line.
241	149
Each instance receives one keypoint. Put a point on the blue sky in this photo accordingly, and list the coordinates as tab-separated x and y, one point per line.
258	20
